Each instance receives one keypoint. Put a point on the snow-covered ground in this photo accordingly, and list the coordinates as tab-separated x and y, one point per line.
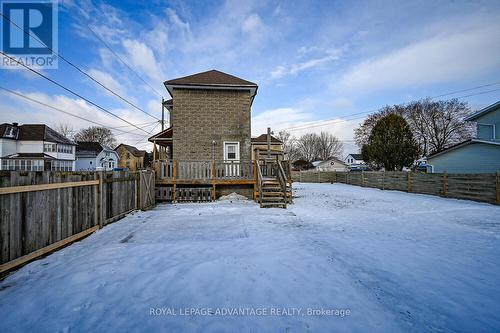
380	261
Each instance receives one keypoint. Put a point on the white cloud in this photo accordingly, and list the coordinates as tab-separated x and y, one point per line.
315	62
107	80
278	118
443	58
143	58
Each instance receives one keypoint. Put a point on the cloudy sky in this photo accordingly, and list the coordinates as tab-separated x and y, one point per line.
312	60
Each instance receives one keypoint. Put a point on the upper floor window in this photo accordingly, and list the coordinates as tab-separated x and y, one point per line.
67	149
49	147
485	131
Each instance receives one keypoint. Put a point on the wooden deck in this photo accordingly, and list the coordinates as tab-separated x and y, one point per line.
177	178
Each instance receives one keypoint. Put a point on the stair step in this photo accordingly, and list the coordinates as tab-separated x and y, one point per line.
273	199
272	194
273	204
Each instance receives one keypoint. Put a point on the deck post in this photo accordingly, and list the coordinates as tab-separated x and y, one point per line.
214	175
255	179
174	182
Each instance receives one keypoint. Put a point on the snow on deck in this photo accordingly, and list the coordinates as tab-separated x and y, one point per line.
380	261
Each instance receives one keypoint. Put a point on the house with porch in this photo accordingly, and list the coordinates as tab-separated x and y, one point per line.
94	156
207	150
35	147
477	155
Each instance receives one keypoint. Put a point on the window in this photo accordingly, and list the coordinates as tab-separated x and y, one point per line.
232	151
485	131
22	165
62	166
67	149
49	147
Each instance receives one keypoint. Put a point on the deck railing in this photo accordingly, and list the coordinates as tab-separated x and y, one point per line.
203	170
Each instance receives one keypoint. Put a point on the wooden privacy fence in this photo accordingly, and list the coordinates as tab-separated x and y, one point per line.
41	211
479	187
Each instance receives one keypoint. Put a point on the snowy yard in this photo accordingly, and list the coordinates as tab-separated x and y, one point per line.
381	261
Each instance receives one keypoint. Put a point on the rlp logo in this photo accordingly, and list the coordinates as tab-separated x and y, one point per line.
29	33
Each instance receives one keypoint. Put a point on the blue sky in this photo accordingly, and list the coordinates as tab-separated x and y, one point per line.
312	60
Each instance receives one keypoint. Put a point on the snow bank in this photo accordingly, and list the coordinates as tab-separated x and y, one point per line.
233	197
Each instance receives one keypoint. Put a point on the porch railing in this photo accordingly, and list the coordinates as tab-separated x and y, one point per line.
203	170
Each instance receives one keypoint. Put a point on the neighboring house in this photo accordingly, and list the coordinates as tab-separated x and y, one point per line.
356	159
35	147
478	155
93	156
260	144
316	163
130	157
333	164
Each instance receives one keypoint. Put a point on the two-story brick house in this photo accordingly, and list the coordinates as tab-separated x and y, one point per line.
35	147
208	146
210	117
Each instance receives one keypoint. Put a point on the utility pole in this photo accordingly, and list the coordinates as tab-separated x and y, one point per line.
162	114
269	142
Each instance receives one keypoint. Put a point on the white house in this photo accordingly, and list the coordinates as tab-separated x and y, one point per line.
35	147
332	164
93	156
354	159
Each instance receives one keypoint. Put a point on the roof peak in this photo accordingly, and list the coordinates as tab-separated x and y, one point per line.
212	77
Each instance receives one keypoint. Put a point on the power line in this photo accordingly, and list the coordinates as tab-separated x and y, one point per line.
336	120
65	112
122	61
147	135
71	91
79	69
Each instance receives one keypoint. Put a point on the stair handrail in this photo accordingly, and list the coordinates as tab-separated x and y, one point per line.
259	181
282	179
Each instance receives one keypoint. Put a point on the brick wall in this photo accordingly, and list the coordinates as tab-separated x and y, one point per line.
202	116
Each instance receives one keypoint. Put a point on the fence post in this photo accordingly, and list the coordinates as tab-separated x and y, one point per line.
101	199
383	180
445	184
319	176
408	189
334	176
362	178
498	187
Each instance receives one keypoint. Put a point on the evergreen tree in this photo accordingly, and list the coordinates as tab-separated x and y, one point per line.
391	144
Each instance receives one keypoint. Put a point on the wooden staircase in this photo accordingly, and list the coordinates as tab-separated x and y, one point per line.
274	188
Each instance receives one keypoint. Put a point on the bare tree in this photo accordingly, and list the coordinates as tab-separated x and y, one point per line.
435	125
438	125
328	146
102	135
289	145
65	129
307	147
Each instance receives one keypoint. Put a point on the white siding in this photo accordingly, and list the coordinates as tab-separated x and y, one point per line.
7	147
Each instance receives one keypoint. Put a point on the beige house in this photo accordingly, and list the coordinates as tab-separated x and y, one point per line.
130	157
260	148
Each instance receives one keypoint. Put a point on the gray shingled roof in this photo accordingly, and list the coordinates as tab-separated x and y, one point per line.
37	132
209	78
